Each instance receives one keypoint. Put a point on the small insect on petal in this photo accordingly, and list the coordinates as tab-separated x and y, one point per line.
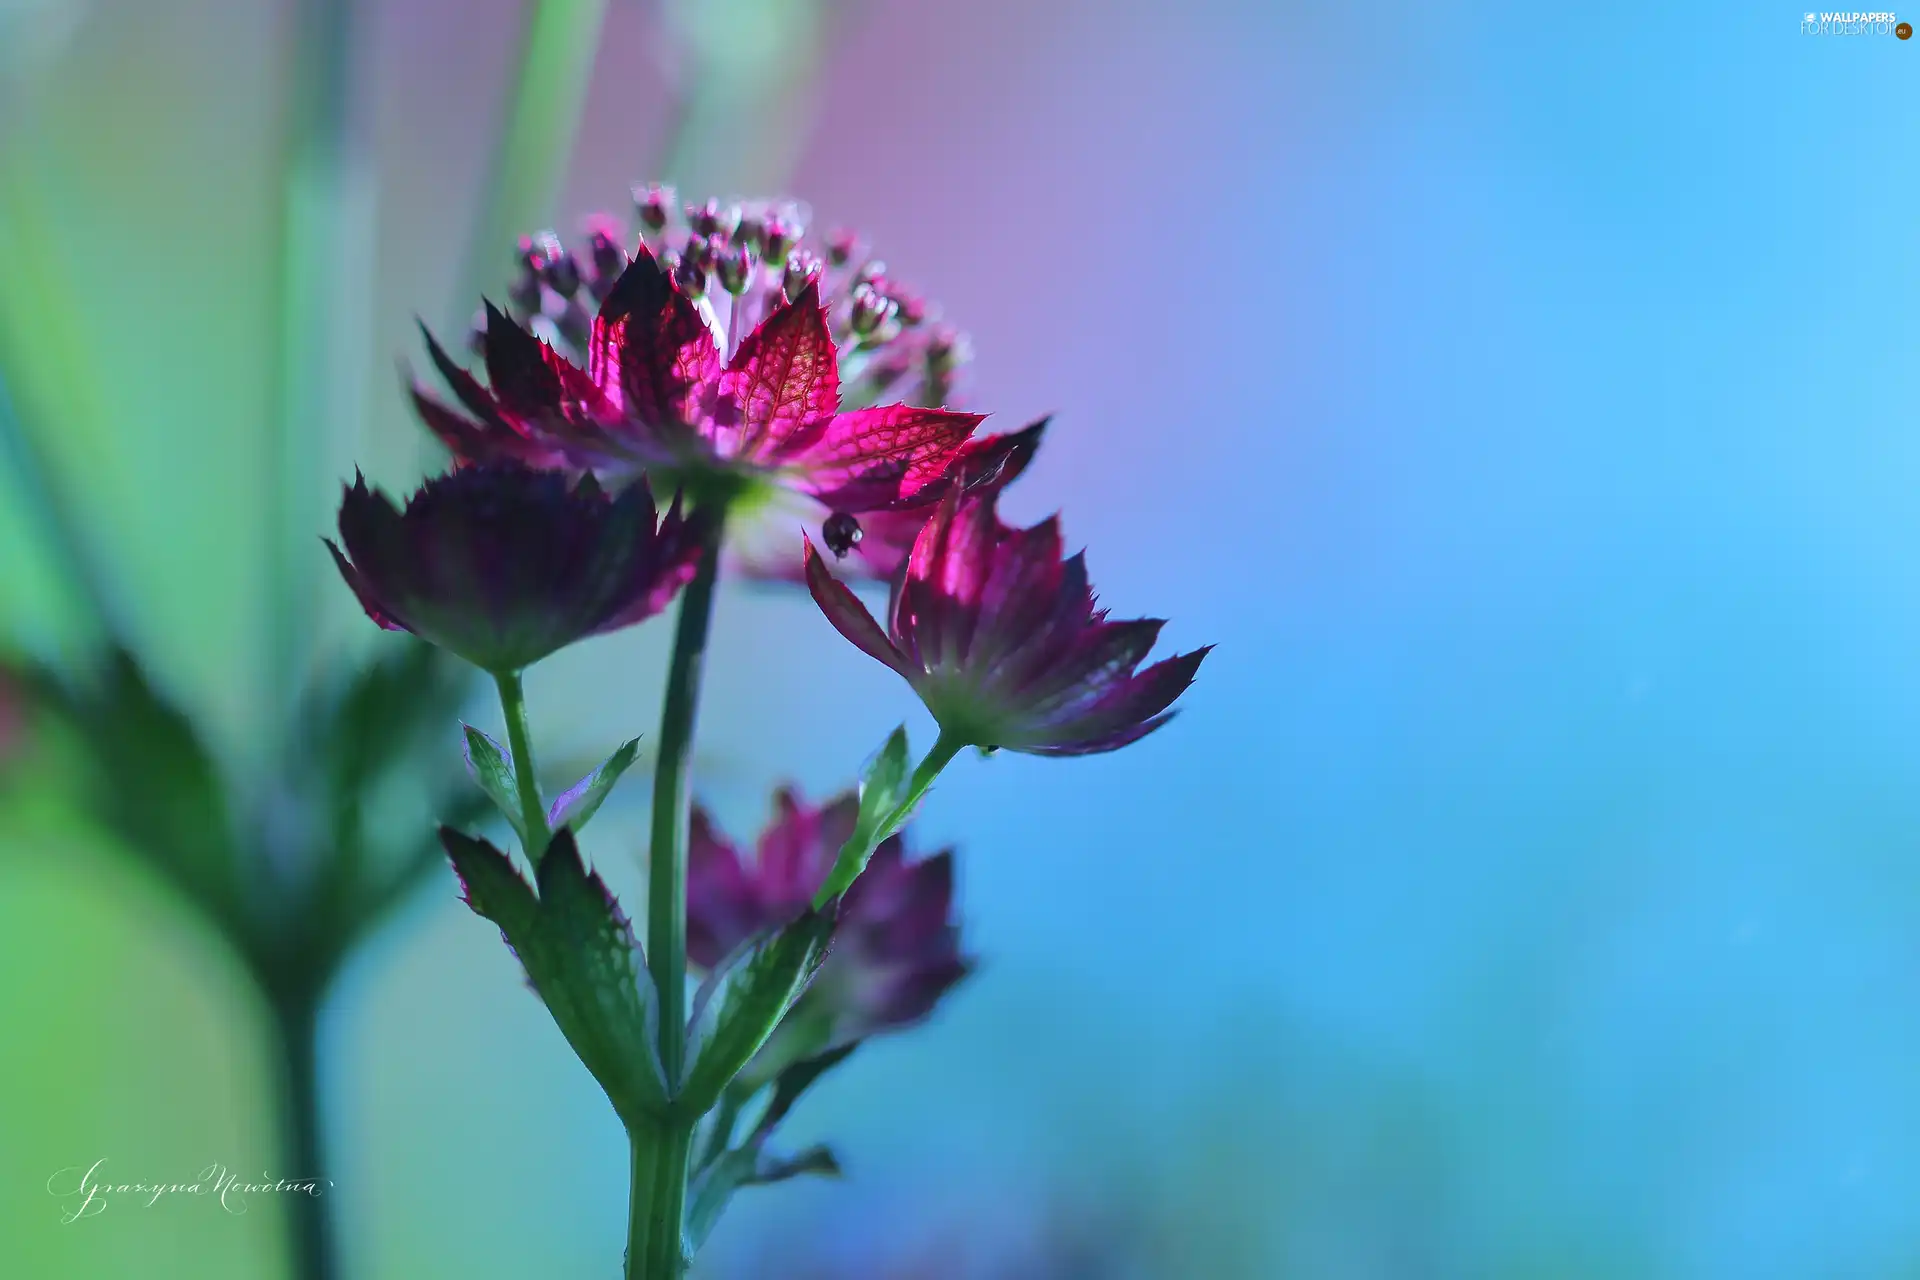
842	533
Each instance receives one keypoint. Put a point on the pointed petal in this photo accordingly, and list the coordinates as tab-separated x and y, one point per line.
650	351
1126	714
363	591
848	616
874	458
517	368
475	398
783	387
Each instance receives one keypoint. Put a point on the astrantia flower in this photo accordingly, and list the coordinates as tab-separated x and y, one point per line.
725	355
895	951
502	565
1002	641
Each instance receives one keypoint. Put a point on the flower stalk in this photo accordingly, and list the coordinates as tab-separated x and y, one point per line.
533	813
655	1244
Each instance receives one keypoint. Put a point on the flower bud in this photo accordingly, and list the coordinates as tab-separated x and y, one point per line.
751	234
691	278
840	247
713	218
734	265
781	237
654	203
802	267
605	256
871	310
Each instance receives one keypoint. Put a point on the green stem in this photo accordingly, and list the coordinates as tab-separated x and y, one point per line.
533	814
656	1239
945	748
667	904
296	1025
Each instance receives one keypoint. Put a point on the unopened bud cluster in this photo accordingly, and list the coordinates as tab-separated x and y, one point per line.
740	260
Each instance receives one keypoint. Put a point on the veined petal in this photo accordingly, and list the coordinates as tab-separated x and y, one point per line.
874	458
848	616
651	353
783	387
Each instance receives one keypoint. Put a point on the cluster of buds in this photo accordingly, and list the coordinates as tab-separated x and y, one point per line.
741	260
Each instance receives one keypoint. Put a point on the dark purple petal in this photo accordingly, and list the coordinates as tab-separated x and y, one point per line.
848	616
517	369
722	907
1129	711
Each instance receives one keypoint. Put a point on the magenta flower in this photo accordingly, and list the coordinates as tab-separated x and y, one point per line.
502	565
727	355
1002	641
895	951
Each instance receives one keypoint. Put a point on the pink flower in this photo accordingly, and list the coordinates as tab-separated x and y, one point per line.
727	357
1002	641
895	950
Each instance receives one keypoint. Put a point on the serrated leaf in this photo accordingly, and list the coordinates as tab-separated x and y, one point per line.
743	1000
580	955
489	766
584	798
882	786
611	1016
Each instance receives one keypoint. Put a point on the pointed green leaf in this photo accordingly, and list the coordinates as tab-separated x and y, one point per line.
584	798
883	785
489	766
603	997
747	1166
743	1000
581	957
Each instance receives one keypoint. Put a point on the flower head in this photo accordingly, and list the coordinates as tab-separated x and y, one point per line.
725	354
502	565
1001	639
895	951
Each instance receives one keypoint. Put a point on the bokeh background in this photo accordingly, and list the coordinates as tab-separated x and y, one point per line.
1521	396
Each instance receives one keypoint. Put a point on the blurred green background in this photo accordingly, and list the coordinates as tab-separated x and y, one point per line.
1522	399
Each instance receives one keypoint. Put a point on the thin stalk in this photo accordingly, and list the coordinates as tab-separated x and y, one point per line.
533	814
667	906
945	748
658	1252
296	1025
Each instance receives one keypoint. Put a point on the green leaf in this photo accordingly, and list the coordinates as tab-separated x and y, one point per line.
743	1000
882	787
580	954
150	778
747	1166
489	766
584	798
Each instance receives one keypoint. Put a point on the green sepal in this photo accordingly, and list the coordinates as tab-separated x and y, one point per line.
741	1003
580	954
584	798
490	767
883	786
